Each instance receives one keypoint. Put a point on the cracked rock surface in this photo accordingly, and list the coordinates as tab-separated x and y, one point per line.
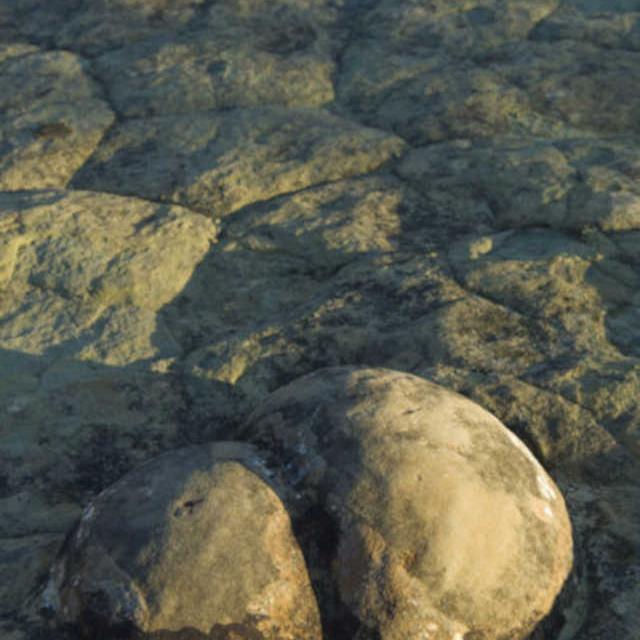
204	200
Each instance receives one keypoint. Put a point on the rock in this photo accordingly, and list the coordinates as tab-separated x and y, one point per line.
573	185
433	74
94	27
31	21
309	291
192	540
429	98
586	88
82	276
447	526
218	162
24	561
609	388
170	75
53	117
562	434
98	27
450	191
474	27
609	25
94	264
556	279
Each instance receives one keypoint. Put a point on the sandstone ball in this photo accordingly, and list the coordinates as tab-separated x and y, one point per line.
447	526
194	540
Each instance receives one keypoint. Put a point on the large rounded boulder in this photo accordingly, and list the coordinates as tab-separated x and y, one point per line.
193	544
446	525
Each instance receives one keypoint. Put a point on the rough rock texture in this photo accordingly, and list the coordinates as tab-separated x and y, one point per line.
53	117
220	162
445	523
450	189
193	539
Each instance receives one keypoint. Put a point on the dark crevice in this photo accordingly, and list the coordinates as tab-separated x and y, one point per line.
317	535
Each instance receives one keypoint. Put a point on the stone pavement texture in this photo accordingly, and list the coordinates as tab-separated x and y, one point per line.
203	200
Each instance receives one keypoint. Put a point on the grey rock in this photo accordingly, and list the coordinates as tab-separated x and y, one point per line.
569	184
610	25
24	561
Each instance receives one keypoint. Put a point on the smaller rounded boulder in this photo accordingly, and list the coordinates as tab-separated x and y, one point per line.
446	525
193	543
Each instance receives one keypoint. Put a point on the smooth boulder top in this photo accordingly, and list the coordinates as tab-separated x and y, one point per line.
191	542
448	527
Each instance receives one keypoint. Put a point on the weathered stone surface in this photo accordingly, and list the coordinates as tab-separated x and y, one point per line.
53	117
81	277
103	25
438	507
86	264
549	276
198	72
313	290
499	255
610	25
569	184
587	88
93	27
436	73
428	98
32	21
473	26
24	562
193	539
220	162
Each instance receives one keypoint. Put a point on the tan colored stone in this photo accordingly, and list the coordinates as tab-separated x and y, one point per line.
446	522
503	262
192	539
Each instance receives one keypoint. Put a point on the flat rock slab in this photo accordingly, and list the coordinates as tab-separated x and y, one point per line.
98	26
53	117
442	73
218	162
564	184
79	274
447	526
235	68
194	540
92	256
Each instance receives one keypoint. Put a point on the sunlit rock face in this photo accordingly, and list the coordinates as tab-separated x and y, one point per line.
53	117
447	526
192	541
